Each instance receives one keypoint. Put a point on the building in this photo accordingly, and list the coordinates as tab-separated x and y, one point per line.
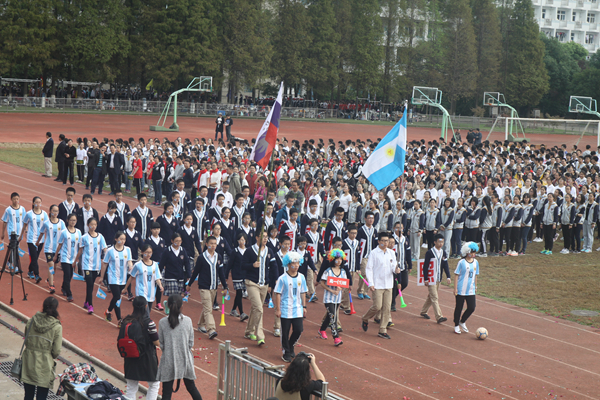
570	20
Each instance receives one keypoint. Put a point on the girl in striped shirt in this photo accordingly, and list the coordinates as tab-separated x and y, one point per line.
32	224
68	244
91	246
49	234
332	295
465	285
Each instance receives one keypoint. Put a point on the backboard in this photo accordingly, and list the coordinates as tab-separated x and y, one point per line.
582	104
493	99
426	96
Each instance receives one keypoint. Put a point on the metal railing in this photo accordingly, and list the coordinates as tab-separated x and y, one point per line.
243	377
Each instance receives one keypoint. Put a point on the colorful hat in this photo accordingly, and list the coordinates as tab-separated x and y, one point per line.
469	247
335	253
291	257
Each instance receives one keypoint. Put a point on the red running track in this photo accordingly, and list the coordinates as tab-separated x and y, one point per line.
528	354
31	128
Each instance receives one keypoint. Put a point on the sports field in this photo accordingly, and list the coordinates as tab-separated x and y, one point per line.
529	354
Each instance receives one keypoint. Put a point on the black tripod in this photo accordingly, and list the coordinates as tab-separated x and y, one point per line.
12	261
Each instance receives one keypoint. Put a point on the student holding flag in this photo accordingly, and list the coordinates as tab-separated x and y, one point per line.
68	245
32	224
91	246
49	234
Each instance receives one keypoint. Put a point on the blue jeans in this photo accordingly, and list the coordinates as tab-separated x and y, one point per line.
456	239
524	236
127	180
97	180
157	191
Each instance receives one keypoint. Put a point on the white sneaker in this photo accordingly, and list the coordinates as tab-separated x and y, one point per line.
424	245
537	240
276	333
564	251
457	330
598	249
463	326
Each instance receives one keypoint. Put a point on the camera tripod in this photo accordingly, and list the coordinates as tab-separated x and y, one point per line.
13	263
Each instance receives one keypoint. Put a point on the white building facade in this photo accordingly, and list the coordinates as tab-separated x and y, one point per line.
570	21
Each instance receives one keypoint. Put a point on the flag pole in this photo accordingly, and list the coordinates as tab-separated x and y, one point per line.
262	228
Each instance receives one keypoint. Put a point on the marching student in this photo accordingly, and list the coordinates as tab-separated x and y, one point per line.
367	237
289	303
332	205
267	220
308	263
440	258
12	219
69	206
332	295
227	228
237	275
416	226
85	213
256	265
402	249
248	230
134	241
381	267
110	223
526	222
386	223
291	228
549	219
199	218
117	263
68	243
32	224
589	223
465	285
351	248
147	277
214	212
50	231
315	248
273	242
190	239
179	209
175	267
277	272
143	216
238	210
158	248
122	207
89	256
168	223
312	213
208	270
335	228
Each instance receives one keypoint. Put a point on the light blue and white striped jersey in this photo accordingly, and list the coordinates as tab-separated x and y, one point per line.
51	234
145	279
91	256
117	265
466	277
291	290
330	297
14	219
34	224
70	245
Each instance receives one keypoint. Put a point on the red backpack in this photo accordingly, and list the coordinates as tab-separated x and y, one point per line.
128	348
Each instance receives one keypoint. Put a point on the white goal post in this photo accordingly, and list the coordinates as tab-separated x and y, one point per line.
576	127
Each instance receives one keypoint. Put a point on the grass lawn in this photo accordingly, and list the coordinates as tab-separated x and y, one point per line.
555	285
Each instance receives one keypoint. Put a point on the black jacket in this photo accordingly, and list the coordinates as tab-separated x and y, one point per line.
119	161
48	148
94	159
60	152
72	152
80	224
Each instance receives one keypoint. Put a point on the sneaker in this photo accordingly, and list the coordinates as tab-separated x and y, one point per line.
243	317
482	255
537	240
245	294
365	326
347	312
598	249
234	313
212	335
313	299
90	309
250	337
390	324
494	255
549	252
337	341
287	357
339	329
63	292
261	342
277	333
38	279
443	319
70	299
564	251
543	251
383	335
457	329
216	307
119	323
108	316
361	296
130	296
367	297
159	307
424	246
393	309
521	253
31	275
52	289
323	335
514	253
463	326
424	315
202	329
377	321
86	305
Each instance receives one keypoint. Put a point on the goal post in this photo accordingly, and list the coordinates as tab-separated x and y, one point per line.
430	96
575	127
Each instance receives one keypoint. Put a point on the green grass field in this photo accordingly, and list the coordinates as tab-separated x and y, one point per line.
555	285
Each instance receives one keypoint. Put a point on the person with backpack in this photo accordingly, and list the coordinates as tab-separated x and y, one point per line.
143	366
176	338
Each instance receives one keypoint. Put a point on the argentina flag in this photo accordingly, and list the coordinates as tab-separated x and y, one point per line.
386	162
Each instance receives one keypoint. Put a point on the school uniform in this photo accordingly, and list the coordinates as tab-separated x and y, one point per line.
447	221
304	222
65	209
440	258
117	273
228	232
330	207
567	216
176	270
209	270
51	232
354	213
264	223
91	262
249	232
143	221
291	230
68	253
190	241
432	223
549	219
123	211
332	230
416	226
291	289
367	239
200	223
525	229
109	226
168	226
496	219
145	280
34	224
237	216
352	249
465	288
590	217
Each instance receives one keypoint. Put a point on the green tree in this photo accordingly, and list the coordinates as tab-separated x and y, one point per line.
459	54
526	78
585	83
343	28
390	18
489	47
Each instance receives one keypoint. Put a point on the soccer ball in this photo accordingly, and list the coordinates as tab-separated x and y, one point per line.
481	333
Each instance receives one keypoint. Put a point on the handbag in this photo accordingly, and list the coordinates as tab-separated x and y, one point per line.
128	348
17	366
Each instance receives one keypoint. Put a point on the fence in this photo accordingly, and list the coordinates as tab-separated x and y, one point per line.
243	377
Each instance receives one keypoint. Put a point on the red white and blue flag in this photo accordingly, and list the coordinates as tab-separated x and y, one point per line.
265	141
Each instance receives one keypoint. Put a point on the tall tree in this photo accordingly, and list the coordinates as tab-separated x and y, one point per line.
526	76
343	29
390	18
460	57
489	47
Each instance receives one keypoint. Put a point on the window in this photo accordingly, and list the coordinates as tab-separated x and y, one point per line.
574	16
591	18
572	37
589	39
561	15
543	13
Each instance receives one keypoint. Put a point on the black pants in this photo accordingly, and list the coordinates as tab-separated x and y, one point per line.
30	392
537	222
190	386
61	170
113	178
90	175
67	276
568	236
515	238
549	233
331	318
287	341
33	255
576	245
68	173
237	302
504	237
90	280
460	301
80	172
97	180
115	290
217	130
493	238
402	279
429	238
137	184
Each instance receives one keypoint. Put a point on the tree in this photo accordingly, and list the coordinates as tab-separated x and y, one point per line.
391	14
526	76
489	47
459	55
585	83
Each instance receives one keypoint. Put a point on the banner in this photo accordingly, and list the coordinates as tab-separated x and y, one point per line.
339	282
421	279
100	294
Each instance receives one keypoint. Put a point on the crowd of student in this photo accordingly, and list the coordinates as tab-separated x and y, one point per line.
313	217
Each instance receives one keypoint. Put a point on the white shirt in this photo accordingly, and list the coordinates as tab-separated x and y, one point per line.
345	200
380	268
87	215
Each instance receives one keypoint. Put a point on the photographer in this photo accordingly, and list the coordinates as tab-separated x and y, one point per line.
297	379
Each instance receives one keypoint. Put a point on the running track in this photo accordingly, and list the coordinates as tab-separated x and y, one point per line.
528	354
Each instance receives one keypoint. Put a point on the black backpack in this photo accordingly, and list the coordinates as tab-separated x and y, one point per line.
104	390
